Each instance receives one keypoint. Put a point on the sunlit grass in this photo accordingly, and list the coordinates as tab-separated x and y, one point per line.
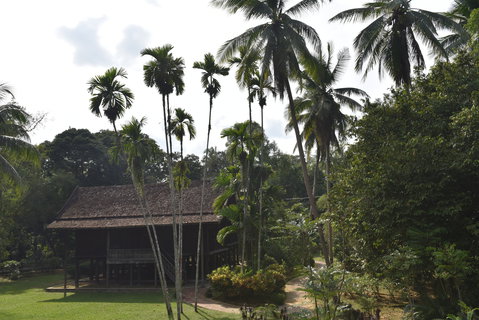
26	299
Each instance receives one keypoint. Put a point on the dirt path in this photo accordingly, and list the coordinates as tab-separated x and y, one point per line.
296	297
207	303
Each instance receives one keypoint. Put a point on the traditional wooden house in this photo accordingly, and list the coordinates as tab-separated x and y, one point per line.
111	240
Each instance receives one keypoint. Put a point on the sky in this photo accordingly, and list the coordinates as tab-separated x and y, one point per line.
52	48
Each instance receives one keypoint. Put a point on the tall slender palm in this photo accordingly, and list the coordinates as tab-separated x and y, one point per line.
212	87
319	109
182	123
109	95
390	41
261	84
282	39
14	138
139	149
166	74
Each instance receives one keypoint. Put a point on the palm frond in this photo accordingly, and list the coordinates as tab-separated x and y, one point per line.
303	6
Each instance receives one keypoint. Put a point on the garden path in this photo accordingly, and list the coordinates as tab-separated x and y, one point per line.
295	297
207	303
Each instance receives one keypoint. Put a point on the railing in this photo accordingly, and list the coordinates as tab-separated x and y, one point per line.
119	256
125	256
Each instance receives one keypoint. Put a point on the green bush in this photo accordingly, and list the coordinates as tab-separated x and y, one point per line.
11	269
233	284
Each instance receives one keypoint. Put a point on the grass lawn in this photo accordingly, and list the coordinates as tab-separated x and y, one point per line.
26	299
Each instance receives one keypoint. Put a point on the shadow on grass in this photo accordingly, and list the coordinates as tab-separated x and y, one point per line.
111	297
206	316
28	282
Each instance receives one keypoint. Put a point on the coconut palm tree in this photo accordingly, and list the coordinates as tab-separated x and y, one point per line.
212	87
247	63
14	138
282	39
390	41
165	73
460	12
109	96
319	109
139	149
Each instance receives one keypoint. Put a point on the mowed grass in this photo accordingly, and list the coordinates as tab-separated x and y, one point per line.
25	299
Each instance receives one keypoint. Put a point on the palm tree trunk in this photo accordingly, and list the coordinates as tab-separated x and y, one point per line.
260	213
307	183
180	228
155	247
200	225
243	240
328	185
247	181
118	142
315	173
169	148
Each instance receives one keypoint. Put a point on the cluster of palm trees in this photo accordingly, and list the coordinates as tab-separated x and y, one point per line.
111	98
291	50
270	57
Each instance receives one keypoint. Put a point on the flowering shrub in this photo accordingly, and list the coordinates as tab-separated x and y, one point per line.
231	283
11	269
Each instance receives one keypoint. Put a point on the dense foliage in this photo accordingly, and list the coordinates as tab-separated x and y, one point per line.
405	197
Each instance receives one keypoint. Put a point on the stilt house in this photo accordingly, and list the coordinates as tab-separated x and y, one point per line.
111	239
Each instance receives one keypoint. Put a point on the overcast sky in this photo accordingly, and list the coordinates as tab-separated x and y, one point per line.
51	48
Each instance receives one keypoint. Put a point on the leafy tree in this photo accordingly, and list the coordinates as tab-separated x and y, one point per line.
79	152
407	187
212	87
281	39
390	41
109	95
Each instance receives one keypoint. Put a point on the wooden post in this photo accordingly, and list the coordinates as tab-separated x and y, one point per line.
77	267
131	274
139	272
91	276
64	276
202	255
155	275
107	255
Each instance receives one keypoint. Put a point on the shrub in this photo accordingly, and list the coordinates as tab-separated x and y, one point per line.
233	284
11	269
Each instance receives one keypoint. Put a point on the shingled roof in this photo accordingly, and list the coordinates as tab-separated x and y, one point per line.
118	207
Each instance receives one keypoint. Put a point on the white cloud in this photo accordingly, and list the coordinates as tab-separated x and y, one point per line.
88	48
135	38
